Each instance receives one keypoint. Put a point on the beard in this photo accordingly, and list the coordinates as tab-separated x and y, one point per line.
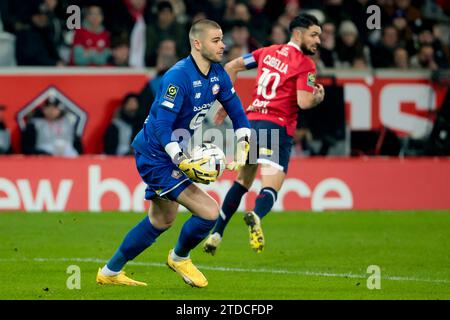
306	50
210	57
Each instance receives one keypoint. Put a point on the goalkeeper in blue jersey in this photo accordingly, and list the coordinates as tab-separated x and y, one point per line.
187	92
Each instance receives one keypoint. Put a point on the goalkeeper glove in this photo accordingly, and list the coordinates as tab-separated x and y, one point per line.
242	149
192	168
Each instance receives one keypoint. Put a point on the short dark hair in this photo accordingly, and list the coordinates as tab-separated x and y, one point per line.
303	20
200	26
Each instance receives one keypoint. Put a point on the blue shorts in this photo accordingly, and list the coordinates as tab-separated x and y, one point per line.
165	181
269	144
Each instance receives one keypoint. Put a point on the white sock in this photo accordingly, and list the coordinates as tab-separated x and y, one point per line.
109	273
176	258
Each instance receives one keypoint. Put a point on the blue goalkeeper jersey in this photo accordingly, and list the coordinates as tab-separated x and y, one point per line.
184	97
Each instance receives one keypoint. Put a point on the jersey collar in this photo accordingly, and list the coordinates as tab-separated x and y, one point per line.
206	76
292	44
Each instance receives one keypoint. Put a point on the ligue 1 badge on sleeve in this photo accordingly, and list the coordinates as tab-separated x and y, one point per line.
311	79
171	92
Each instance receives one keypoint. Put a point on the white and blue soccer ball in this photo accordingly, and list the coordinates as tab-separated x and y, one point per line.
217	159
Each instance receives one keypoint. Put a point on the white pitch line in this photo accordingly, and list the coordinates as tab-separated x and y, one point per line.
226	269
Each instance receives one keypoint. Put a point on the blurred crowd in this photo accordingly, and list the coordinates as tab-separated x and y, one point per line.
153	33
412	34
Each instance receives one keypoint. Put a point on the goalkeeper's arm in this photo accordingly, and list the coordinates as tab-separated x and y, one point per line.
241	125
191	167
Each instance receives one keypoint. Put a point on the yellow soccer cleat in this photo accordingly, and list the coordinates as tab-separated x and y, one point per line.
212	243
186	269
256	235
120	279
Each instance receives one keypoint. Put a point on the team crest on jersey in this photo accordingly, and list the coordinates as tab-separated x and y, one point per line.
215	89
171	92
311	79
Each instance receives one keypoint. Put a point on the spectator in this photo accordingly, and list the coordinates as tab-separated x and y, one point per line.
278	35
35	44
5	134
405	34
52	132
424	59
91	44
359	63
118	136
291	10
241	12
259	22
348	45
426	36
167	57
120	51
401	58
234	52
328	45
410	12
240	35
130	19
137	36
7	46
165	27
199	15
382	54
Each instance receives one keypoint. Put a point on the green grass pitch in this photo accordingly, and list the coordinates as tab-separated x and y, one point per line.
307	256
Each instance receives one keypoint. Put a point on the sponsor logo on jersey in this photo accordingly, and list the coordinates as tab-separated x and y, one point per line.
283	51
214	79
311	79
203	106
215	89
167	104
197	83
171	92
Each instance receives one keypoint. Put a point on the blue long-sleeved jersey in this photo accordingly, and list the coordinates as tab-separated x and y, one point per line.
183	99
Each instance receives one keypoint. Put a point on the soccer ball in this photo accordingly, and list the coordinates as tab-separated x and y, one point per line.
217	157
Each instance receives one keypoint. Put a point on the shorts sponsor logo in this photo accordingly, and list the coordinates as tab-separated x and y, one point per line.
265	151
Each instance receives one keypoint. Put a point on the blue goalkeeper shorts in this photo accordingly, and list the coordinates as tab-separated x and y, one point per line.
165	181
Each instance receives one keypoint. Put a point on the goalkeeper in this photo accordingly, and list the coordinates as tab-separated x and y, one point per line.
187	92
